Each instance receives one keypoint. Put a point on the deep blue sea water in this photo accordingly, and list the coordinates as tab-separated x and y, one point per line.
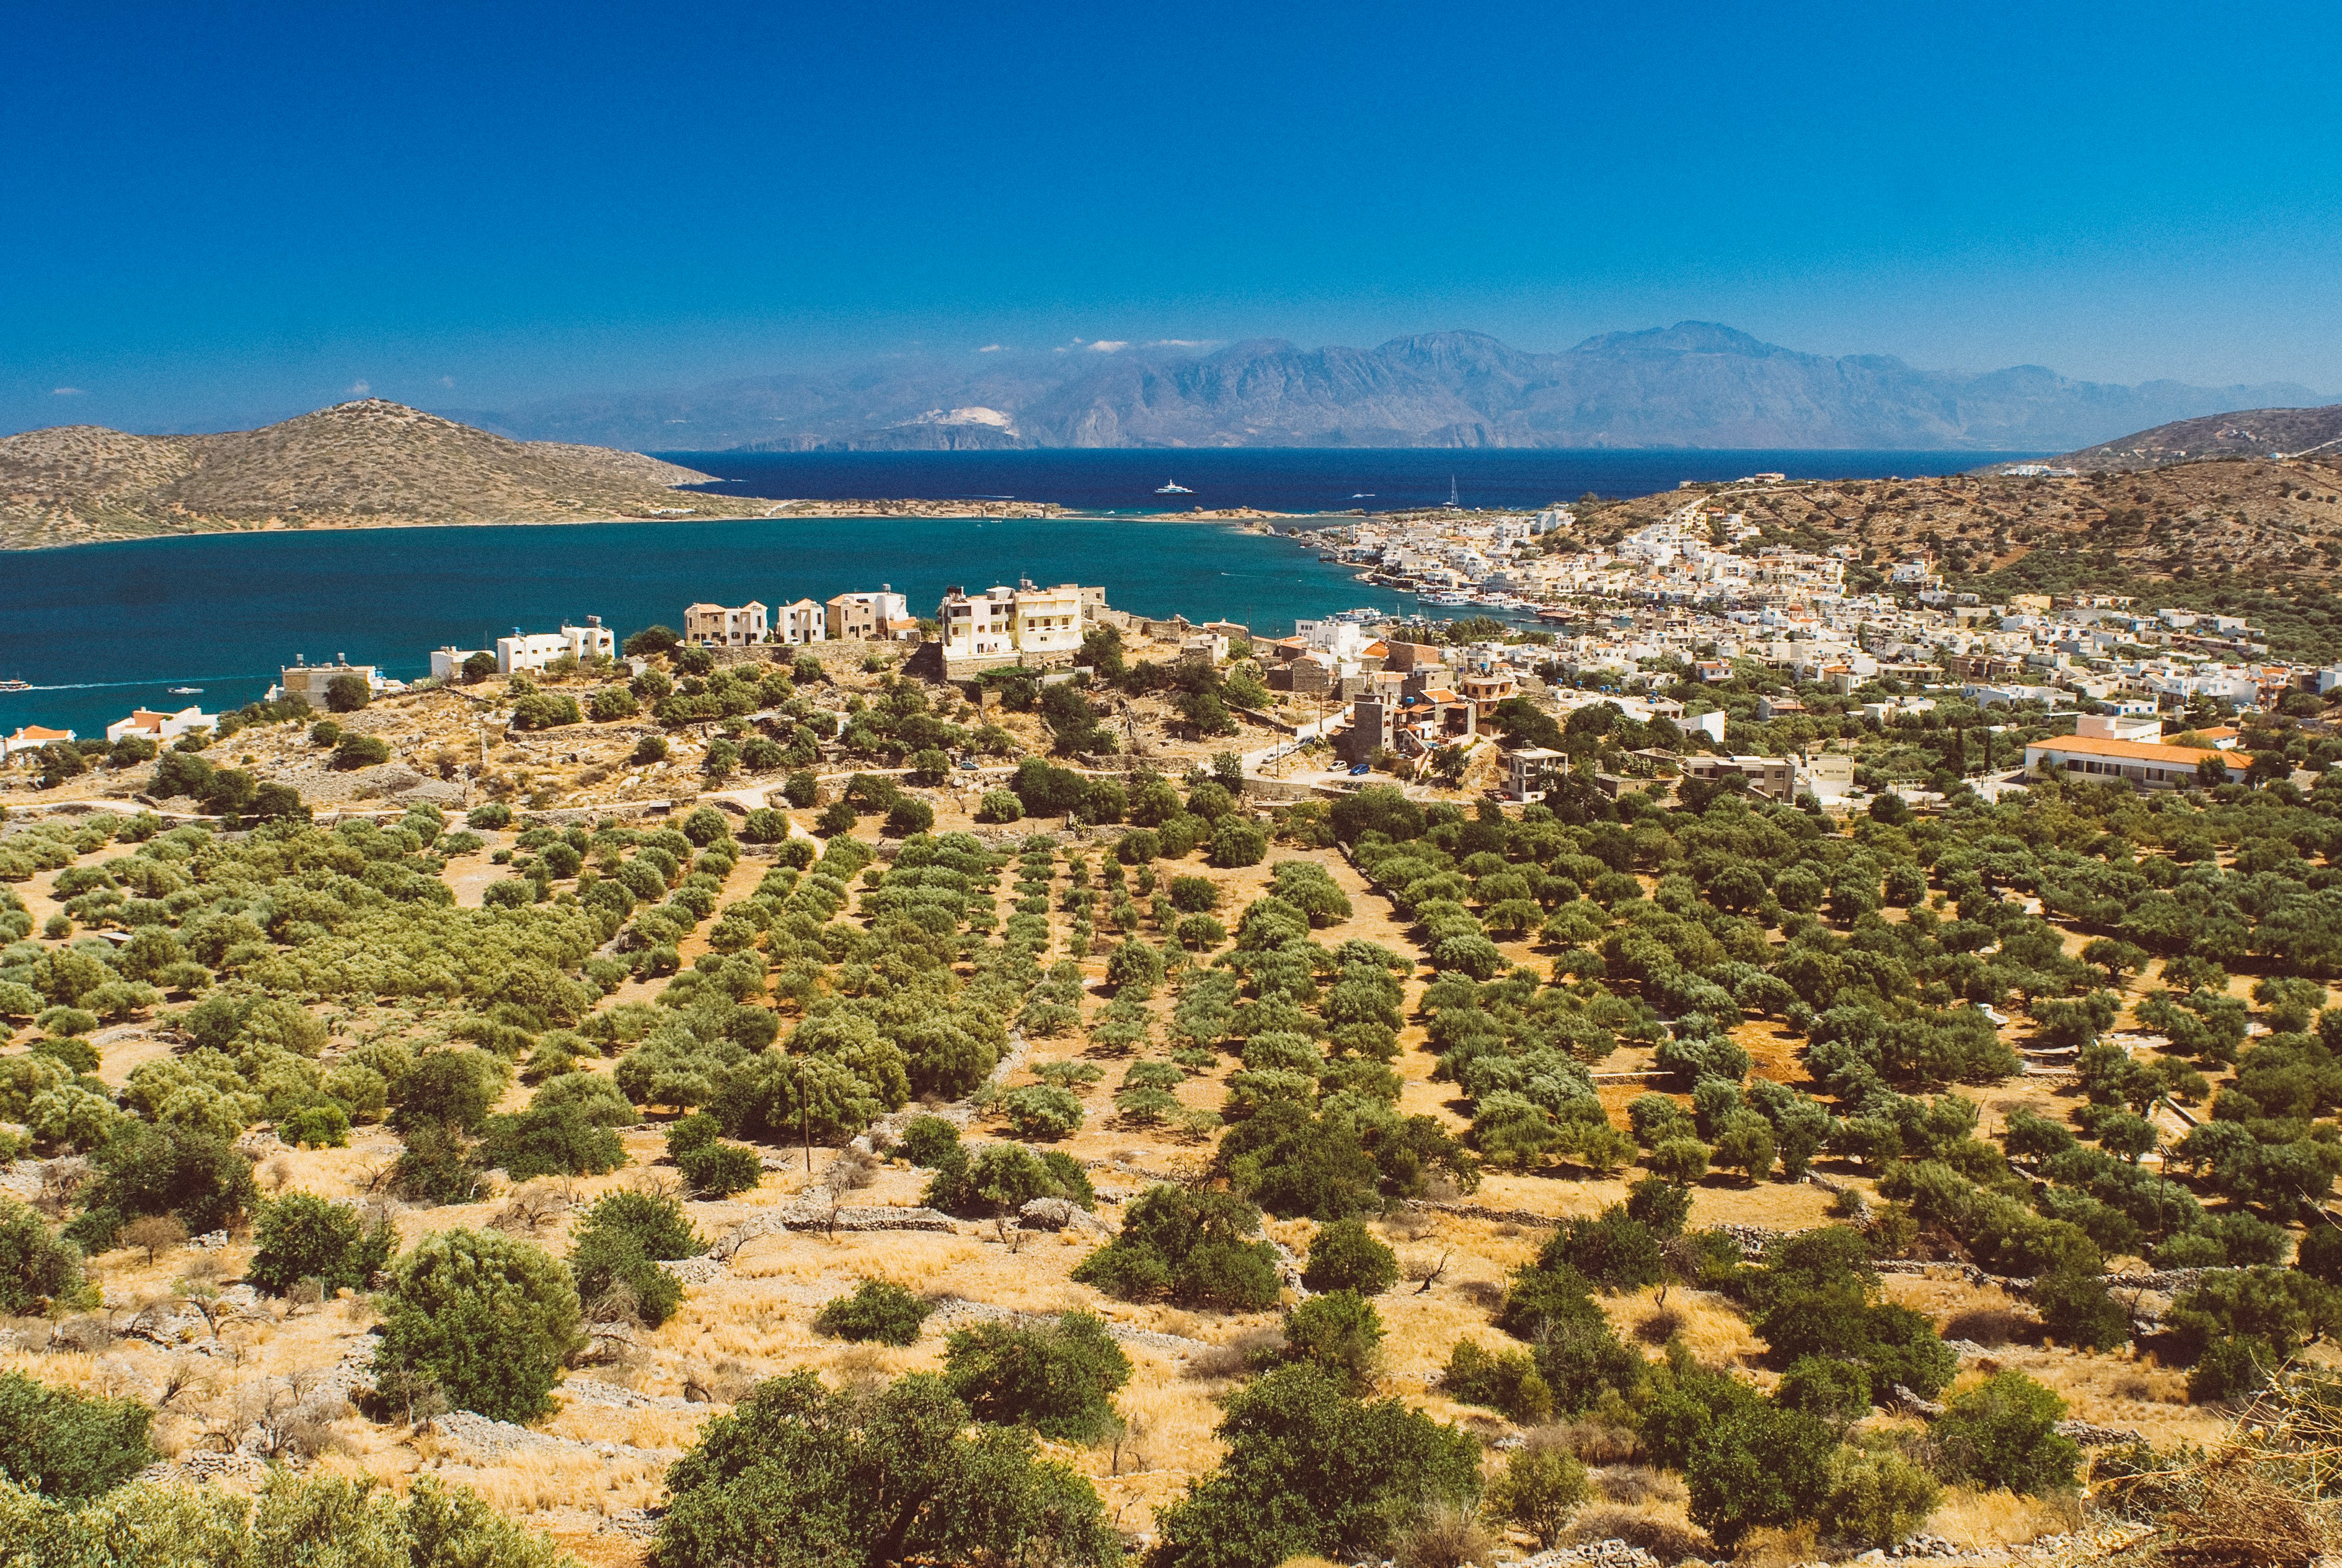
100	629
1282	479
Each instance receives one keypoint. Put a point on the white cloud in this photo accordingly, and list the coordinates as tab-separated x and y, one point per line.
360	388
989	348
1179	342
68	392
1108	345
446	381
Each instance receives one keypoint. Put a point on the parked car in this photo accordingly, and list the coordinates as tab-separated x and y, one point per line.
1360	771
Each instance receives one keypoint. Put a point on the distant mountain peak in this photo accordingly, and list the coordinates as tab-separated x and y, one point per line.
1686	337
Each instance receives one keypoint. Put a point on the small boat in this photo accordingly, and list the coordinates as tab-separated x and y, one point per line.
186	691
1453	503
13	684
1172	487
1362	495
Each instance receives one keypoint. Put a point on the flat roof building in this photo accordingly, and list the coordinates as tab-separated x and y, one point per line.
2147	763
1022	620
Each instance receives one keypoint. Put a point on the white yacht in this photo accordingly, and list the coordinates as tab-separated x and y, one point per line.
1172	487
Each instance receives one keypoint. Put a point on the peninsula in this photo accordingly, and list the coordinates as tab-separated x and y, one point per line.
367	465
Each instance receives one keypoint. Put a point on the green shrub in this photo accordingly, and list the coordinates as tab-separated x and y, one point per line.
2239	1325
2077	1309
326	1126
1614	1251
57	1443
615	1251
1059	1380
878	1310
1341	1335
1310	1471
1875	1499
1818	1295
556	1140
1346	1256
1504	1381
455	1087
315	1518
1238	842
487	1319
1826	1387
1758	1466
1539	1490
2004	1433
145	1169
436	1166
302	1236
1041	1111
928	1141
34	1266
720	1169
1187	1247
796	1473
1002	1178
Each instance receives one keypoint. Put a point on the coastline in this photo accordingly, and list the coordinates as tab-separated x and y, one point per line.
774	512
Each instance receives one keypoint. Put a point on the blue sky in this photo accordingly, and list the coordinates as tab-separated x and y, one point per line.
217	212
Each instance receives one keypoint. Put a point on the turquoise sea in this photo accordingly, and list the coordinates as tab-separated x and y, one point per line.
101	629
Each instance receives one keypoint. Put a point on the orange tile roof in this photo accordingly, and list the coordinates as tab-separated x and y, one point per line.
36	732
2128	751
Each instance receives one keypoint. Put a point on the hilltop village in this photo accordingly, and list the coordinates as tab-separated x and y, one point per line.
1720	1051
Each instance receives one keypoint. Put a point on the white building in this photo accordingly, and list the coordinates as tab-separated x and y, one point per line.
538	649
30	738
161	727
800	623
2119	726
1025	619
447	664
1343	639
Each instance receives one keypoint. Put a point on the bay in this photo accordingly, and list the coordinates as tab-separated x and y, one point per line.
100	629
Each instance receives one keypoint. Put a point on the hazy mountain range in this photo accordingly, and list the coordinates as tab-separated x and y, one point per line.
1694	383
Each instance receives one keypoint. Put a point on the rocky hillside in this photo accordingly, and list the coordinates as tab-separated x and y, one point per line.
1694	383
2276	526
370	464
2248	433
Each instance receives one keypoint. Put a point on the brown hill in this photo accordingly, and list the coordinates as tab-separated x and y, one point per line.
2274	524
2248	433
370	463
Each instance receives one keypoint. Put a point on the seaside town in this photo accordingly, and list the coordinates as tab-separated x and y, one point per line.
1727	655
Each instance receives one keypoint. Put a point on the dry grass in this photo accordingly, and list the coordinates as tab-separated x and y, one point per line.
1660	1529
1987	1521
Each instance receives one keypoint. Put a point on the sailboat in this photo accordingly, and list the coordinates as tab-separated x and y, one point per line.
1172	487
1454	502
